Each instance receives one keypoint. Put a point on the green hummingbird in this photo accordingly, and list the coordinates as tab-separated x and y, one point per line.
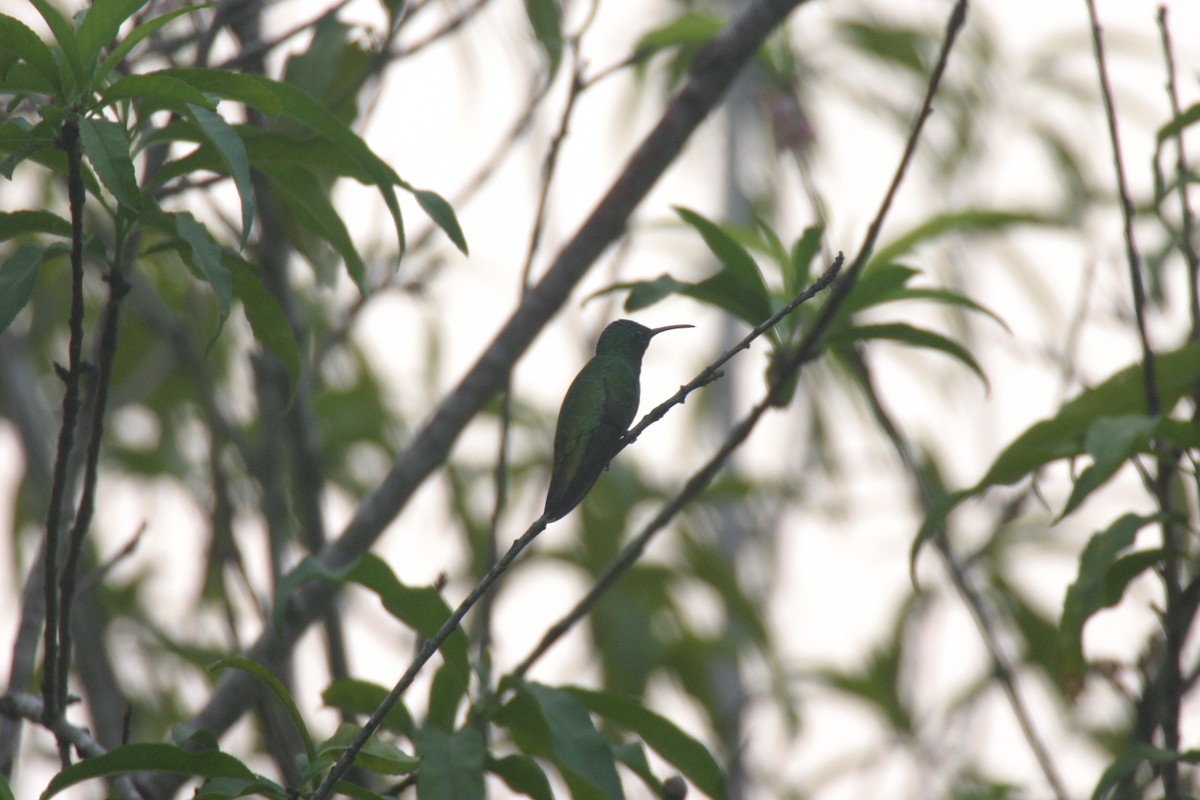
596	412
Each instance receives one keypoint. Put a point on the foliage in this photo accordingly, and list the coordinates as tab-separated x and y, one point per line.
181	268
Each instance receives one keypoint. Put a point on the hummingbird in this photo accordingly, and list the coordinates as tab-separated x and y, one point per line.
596	412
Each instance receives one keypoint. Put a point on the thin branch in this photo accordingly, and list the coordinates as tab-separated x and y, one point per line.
712	71
1001	665
117	289
699	479
21	705
52	701
1171	680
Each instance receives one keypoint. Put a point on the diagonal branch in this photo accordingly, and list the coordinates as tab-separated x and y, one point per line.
711	74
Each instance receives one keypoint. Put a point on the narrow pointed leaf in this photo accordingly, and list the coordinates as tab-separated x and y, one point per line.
204	254
354	696
578	747
23	223
912	335
1111	441
147	757
227	143
129	41
378	756
451	764
521	774
265	315
29	47
661	735
64	34
1096	587
107	148
268	679
17	278
101	23
443	214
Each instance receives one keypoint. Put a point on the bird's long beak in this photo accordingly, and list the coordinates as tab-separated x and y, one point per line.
656	331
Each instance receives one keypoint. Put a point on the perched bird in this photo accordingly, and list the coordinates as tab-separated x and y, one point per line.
596	413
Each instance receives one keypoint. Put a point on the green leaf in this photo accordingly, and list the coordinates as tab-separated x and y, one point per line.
661	735
309	200
1111	441
578	748
911	335
229	85
804	251
421	609
265	315
1190	116
378	756
451	764
545	18
17	279
161	91
128	42
5	789
147	757
29	47
226	142
100	25
21	223
740	275
970	221
354	696
1098	585
521	774
64	34
1062	435
1131	758
205	255
443	214
107	148
302	108
688	31
876	285
268	679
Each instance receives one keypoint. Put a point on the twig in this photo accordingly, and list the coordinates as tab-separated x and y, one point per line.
699	480
117	289
1171	680
52	700
712	72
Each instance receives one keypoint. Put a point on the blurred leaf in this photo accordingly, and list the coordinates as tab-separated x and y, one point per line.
892	44
521	774
740	275
443	214
804	250
28	46
1098	585
378	756
107	148
309	201
971	221
268	679
451	764
233	153
675	746
64	34
1111	441
100	25
158	91
129	41
1131	758
230	85
1062	435
265	315
684	36
1188	117
353	696
205	256
545	19
17	278
914	336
